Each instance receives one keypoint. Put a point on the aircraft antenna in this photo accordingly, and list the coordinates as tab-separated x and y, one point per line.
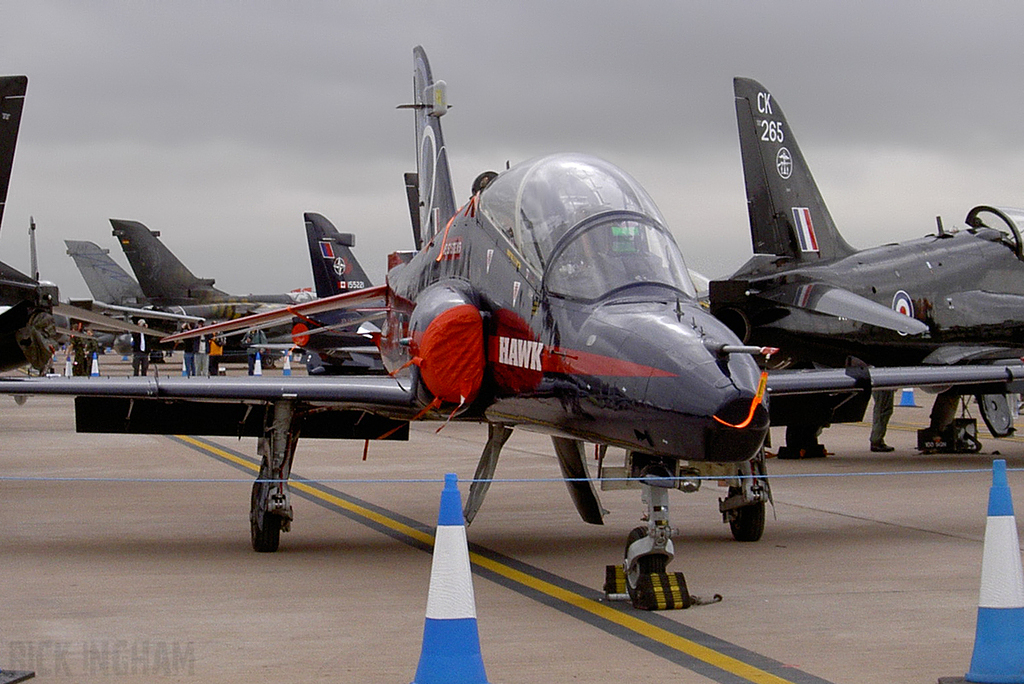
938	222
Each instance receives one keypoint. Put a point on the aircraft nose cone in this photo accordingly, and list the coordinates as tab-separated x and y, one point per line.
707	406
737	430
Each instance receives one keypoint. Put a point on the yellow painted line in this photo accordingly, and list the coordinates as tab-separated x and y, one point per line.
658	634
662	636
324	496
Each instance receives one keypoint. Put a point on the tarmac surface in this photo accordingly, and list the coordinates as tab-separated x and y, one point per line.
127	559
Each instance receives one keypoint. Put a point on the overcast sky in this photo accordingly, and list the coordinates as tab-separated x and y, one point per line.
220	123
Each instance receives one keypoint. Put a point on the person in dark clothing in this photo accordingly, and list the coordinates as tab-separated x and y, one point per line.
254	341
140	350
191	347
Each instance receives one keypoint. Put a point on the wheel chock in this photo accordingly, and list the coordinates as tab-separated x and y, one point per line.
661	591
615	583
12	676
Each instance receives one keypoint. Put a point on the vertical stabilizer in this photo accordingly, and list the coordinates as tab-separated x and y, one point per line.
106	280
12	99
787	214
430	102
335	267
163	278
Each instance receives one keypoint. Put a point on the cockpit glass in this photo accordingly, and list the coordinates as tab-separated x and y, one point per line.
614	251
538	202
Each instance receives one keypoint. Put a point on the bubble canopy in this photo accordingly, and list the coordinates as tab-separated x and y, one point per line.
586	224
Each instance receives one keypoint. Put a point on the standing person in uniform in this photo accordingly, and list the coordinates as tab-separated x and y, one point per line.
191	345
203	354
880	415
254	341
140	350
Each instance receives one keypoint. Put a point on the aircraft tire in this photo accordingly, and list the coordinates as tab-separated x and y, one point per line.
748	525
267	538
655	562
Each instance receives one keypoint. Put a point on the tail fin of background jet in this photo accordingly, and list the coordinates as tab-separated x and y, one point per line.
335	268
106	280
163	278
788	217
436	198
12	99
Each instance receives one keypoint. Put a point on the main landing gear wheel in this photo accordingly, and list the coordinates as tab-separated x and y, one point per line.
747	525
744	506
265	527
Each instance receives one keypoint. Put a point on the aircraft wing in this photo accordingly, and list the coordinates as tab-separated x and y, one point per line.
371	392
102	322
138	312
835	301
364	301
852	379
385	393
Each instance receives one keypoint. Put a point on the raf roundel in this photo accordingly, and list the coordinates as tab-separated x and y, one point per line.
902	303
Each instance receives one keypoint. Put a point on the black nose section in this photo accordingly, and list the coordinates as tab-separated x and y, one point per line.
739	427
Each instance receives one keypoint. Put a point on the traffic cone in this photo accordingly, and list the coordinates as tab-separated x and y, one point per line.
451	642
95	370
287	363
68	367
257	368
907	398
999	638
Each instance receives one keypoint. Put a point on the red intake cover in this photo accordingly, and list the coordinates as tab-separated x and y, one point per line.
451	355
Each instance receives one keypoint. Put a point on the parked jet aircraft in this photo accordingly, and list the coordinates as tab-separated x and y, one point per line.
951	298
335	267
338	341
28	330
168	283
554	300
106	280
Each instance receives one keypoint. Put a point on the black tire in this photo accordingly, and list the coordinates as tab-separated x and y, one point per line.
656	562
267	538
748	525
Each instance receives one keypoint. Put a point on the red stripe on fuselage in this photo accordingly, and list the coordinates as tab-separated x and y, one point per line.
514	352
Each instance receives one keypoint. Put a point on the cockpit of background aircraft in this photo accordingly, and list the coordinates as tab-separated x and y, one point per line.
586	224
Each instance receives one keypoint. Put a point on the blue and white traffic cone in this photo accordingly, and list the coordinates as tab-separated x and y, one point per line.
287	363
999	638
907	398
257	368
68	367
95	370
451	642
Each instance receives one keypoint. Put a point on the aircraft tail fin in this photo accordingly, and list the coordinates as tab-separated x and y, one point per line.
788	216
12	99
106	280
335	267
436	197
162	276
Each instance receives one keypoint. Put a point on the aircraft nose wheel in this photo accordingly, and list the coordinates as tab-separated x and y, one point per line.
648	551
